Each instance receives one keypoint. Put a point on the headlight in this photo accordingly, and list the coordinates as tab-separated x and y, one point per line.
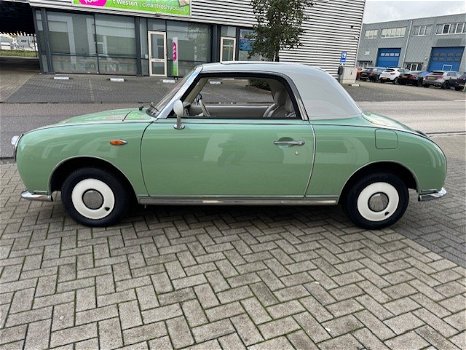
15	141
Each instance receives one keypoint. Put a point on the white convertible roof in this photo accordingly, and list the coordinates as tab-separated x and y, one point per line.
322	96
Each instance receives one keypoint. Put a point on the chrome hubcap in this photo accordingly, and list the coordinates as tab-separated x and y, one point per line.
93	199
378	202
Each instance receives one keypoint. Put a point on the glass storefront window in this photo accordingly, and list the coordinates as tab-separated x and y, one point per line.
71	34
41	42
194	42
184	67
74	64
156	25
116	36
40	32
228	31
111	65
143	33
245	45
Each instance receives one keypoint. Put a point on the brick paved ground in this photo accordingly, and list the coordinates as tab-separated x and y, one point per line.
208	278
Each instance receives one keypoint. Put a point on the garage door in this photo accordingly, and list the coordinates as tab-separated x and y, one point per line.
388	57
445	58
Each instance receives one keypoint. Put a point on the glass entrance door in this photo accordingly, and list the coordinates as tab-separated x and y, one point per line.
157	54
227	49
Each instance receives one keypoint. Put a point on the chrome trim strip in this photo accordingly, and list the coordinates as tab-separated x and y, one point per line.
15	142
36	196
314	152
318	200
163	114
432	194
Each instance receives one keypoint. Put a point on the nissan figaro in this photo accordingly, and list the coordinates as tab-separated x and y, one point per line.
242	133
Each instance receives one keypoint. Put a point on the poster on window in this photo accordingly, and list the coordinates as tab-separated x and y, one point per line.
166	7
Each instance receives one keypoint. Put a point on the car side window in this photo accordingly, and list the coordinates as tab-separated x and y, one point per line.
247	97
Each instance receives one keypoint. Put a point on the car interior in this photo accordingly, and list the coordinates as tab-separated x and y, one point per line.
239	98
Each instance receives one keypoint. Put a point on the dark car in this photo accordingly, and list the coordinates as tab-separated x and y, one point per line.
371	73
412	78
460	82
441	78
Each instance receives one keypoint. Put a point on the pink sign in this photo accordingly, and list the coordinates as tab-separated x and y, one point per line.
175	52
93	2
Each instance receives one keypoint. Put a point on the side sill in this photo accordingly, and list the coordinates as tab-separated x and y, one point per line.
36	196
330	200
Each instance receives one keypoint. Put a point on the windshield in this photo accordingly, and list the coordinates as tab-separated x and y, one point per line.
154	109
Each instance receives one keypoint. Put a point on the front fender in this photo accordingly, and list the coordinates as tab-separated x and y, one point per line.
41	151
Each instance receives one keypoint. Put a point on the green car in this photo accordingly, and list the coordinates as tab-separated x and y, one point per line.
234	134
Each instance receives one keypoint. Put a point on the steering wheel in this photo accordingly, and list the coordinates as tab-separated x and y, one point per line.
205	112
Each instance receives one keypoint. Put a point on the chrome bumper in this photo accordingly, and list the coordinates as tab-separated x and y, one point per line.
432	195
36	197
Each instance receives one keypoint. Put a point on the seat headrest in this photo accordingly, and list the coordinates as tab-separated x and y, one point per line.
289	104
280	97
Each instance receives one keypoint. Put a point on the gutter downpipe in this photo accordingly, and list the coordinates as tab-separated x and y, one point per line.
407	42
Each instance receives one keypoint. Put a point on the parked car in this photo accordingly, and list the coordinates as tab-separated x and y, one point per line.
371	73
459	85
442	79
358	72
392	75
220	138
412	78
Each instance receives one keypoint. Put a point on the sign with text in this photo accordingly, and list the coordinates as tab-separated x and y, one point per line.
343	57
166	7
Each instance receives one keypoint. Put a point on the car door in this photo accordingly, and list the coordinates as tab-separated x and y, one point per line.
228	157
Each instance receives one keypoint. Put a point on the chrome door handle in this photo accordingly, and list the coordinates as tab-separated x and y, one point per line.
289	143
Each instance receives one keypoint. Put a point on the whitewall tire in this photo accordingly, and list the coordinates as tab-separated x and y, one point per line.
94	197
376	201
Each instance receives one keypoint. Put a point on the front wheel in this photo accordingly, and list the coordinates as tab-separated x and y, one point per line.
94	197
377	201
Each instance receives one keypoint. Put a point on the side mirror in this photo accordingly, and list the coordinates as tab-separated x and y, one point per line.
178	108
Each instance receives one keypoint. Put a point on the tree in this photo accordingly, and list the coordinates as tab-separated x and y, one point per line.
278	26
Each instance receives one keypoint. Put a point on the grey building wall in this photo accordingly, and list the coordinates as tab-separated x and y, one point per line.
333	26
413	48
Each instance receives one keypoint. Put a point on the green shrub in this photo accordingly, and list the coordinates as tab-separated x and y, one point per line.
17	53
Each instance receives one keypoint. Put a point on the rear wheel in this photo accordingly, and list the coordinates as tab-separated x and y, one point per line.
377	201
94	197
395	81
426	85
459	88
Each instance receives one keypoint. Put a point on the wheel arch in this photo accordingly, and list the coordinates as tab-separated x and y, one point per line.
64	169
394	168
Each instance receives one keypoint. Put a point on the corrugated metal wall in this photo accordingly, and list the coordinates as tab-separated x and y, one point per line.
333	26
